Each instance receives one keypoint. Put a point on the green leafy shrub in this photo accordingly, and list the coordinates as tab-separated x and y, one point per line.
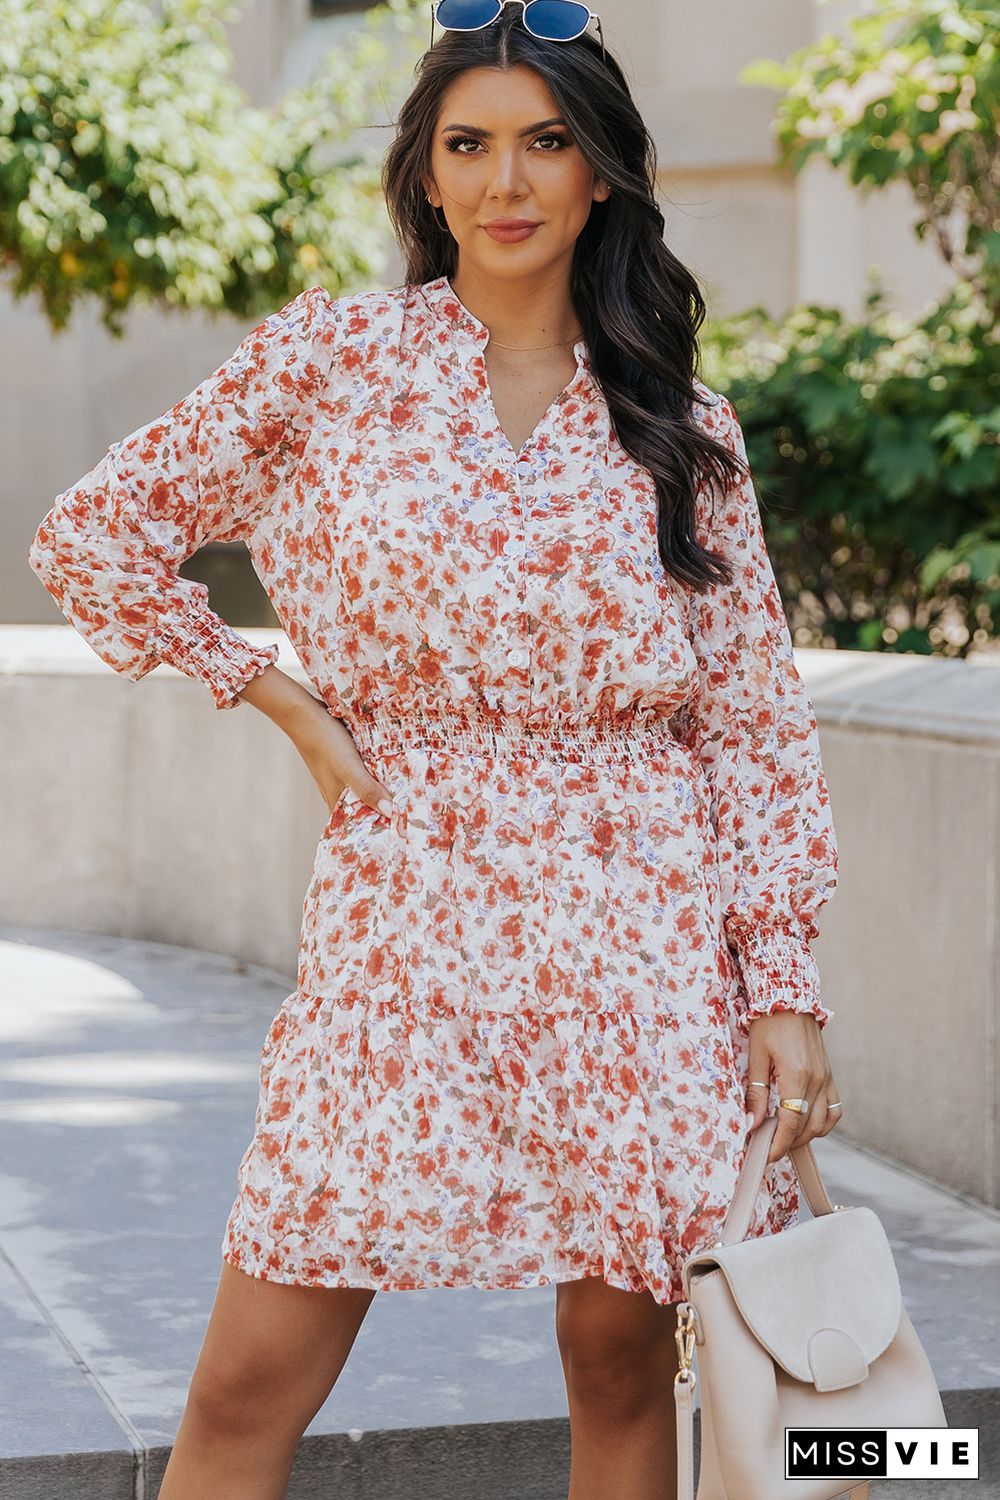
874	444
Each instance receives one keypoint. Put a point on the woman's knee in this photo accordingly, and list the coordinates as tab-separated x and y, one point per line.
618	1355
271	1355
244	1396
234	1398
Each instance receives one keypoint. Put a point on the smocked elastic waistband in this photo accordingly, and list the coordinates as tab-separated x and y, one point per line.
594	741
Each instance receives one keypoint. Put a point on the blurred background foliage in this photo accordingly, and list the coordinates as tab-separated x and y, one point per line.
874	449
912	95
134	168
874	440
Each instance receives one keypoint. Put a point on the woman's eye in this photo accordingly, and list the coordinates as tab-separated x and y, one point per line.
454	142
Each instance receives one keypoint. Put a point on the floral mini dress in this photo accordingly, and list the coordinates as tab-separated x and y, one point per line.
516	1050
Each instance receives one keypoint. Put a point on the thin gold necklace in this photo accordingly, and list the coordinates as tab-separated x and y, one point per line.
525	348
519	348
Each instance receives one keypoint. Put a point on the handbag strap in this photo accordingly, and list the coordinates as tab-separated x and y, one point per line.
737	1220
683	1392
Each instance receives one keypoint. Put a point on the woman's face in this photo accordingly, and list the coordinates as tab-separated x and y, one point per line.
497	154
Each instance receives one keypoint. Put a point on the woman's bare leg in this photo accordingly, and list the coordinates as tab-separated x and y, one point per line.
619	1360
270	1357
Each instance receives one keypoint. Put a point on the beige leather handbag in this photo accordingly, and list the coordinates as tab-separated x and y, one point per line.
805	1328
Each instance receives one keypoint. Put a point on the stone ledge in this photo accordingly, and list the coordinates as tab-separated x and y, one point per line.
907	693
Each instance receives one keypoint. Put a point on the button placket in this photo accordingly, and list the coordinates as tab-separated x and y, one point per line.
506	555
517	655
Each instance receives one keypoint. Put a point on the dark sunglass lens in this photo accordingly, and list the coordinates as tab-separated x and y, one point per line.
556	20
466	15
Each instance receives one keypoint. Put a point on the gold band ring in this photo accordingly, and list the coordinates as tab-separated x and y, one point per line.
801	1106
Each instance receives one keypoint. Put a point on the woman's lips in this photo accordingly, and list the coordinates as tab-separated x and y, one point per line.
506	235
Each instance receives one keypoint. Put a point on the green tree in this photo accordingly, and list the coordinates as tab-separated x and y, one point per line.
876	440
911	93
133	168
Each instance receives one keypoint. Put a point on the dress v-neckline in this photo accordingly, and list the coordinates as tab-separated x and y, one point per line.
499	432
441	295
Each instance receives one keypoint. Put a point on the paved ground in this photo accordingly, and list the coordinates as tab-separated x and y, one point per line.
127	1093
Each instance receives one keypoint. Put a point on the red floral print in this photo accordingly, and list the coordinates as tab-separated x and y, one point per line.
516	1050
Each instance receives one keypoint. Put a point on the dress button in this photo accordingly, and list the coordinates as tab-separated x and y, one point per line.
515	657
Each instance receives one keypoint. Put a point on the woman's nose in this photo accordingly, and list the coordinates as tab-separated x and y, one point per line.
507	180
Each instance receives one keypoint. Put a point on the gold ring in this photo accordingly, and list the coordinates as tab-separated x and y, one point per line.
801	1106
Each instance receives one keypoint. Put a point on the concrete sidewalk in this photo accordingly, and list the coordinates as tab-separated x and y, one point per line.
127	1095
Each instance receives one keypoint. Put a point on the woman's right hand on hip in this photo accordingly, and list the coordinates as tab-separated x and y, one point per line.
328	749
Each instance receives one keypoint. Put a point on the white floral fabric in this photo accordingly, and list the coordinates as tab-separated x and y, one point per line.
516	1049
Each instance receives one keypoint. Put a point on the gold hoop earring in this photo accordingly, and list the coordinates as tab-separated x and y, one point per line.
436	209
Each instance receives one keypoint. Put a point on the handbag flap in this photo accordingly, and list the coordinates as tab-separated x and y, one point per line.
825	1286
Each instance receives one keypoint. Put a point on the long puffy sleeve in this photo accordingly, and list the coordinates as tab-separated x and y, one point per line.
753	727
110	547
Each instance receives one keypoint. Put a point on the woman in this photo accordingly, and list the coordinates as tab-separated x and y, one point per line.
556	942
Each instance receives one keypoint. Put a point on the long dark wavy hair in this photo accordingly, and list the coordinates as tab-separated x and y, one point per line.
640	309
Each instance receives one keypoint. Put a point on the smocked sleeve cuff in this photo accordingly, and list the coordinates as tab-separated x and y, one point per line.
778	972
219	657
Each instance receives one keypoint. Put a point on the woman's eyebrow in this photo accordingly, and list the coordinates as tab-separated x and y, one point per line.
488	134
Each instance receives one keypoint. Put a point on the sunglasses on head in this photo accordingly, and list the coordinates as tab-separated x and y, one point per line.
549	20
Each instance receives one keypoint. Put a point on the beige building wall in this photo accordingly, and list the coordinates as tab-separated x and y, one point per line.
753	235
